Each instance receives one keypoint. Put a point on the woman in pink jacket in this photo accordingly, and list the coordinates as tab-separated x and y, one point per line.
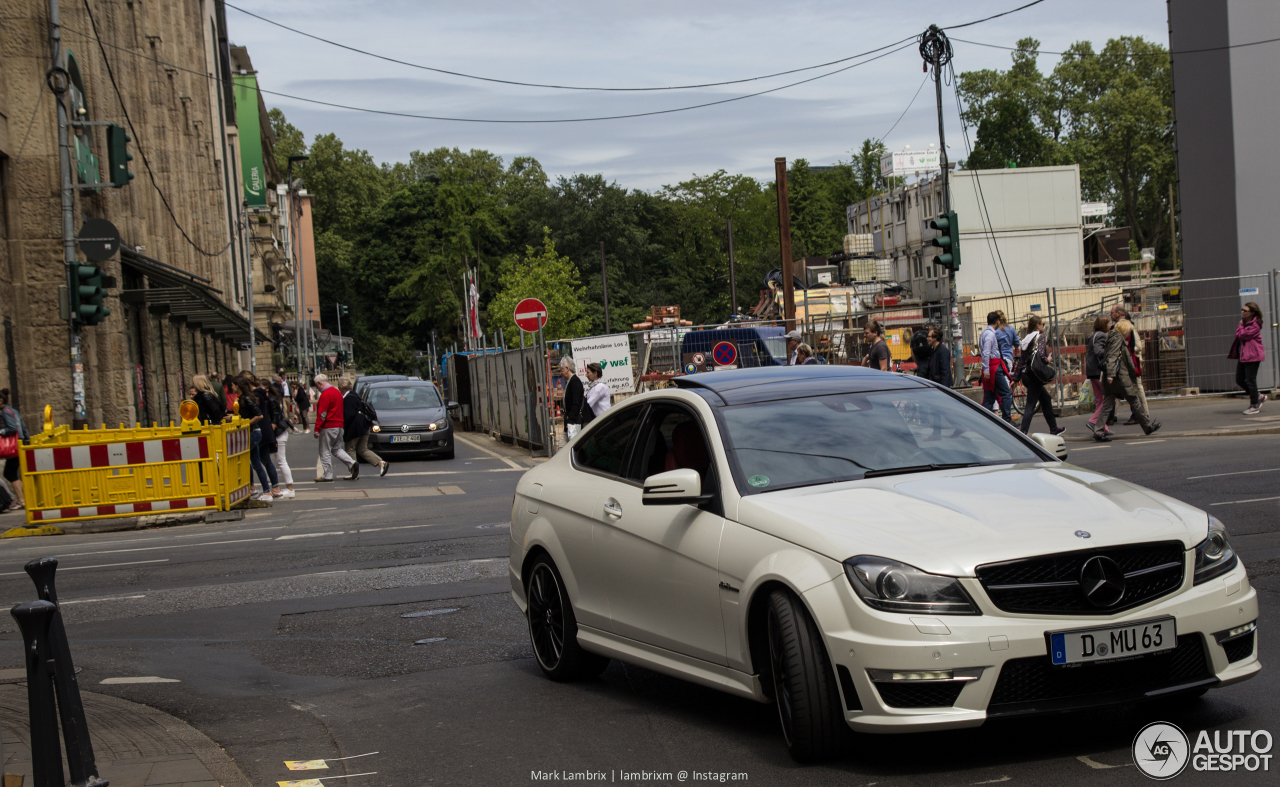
1248	352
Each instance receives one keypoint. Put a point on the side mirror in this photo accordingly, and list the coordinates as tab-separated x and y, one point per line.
674	488
453	405
1052	443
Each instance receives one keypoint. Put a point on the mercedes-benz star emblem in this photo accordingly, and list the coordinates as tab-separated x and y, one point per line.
404	427
1102	581
1083	534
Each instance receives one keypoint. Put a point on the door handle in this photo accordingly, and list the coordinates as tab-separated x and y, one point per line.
612	508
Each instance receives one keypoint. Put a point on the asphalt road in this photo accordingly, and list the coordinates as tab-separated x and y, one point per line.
375	616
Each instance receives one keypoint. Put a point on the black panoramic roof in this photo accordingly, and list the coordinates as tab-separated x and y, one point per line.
767	383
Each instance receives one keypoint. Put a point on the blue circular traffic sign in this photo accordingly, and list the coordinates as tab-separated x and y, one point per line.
725	354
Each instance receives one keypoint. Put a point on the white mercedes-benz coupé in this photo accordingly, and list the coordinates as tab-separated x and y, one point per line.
868	549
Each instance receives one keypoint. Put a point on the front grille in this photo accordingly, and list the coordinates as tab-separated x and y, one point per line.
1037	680
1050	584
920	694
1239	648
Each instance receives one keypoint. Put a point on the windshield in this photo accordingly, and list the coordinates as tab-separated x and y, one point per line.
799	442
408	397
777	347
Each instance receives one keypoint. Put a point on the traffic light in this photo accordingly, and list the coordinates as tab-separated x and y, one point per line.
342	310
118	157
87	294
948	240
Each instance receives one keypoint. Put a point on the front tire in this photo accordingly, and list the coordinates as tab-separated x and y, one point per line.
804	688
553	629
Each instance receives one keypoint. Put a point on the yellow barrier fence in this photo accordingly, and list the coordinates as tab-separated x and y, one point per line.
97	473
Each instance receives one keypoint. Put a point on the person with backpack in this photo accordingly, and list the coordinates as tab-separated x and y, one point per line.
1095	350
304	404
1033	369
1120	378
280	424
357	418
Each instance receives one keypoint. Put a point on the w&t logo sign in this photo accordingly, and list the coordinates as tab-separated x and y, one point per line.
1160	750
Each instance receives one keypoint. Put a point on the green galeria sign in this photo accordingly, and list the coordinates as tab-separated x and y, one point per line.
252	170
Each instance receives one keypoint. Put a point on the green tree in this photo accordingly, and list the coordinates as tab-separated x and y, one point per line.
551	278
1008	134
817	222
289	140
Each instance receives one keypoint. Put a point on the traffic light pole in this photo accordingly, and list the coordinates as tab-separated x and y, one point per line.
337	307
58	81
936	50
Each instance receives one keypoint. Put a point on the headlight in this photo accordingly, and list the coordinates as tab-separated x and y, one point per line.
1214	555
377	428
442	423
896	587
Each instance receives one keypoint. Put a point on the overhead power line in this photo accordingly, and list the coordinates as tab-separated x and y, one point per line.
519	83
1128	54
904	112
335	105
137	143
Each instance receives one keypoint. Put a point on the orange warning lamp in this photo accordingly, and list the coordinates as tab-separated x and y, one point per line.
189	410
48	418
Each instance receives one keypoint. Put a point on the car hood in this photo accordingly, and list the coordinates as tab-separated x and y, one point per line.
418	417
949	522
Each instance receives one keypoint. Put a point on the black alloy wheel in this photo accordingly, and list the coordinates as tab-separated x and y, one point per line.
804	687
553	629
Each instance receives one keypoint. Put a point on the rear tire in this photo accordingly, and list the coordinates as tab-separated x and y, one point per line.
804	687
553	629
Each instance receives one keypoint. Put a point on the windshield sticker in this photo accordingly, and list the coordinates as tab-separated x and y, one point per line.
758	480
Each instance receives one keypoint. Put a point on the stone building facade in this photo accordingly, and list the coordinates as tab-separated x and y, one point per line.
179	286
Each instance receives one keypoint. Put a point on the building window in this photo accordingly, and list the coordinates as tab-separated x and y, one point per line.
288	295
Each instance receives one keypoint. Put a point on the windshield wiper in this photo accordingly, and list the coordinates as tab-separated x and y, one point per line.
917	469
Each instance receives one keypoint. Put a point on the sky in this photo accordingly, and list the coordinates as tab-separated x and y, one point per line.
648	44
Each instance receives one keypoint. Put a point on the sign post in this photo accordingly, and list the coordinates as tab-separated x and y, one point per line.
530	316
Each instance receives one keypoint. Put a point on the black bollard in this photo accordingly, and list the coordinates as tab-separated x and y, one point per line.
75	729
46	755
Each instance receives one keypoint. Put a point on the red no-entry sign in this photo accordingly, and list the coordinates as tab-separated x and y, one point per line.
530	314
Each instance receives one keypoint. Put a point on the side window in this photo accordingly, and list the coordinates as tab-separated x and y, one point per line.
672	438
604	448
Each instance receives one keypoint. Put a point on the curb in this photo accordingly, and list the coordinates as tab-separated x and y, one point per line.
144	522
1162	435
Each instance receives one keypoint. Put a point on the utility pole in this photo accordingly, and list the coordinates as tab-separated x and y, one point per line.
733	279
935	48
604	283
337	307
784	242
59	80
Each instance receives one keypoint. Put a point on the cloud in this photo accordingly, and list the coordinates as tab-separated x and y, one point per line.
661	42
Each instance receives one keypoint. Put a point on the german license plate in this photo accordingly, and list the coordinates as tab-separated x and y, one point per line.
1113	642
406	438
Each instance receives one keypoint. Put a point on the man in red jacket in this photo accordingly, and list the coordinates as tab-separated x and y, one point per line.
329	430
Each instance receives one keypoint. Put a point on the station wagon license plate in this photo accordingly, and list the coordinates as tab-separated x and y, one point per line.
406	438
1113	642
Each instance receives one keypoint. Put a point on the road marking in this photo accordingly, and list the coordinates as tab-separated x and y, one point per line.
482	449
93	600
1090	448
1235	502
167	546
373	505
1148	442
147	679
1098	766
995	781
309	510
1240	472
399	527
312	535
82	568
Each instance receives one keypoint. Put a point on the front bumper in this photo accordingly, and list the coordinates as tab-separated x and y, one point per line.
439	441
860	640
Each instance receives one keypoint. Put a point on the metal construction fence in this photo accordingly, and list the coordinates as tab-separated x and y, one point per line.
96	473
1185	329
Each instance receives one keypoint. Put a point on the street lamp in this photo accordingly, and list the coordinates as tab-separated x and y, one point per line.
310	331
299	296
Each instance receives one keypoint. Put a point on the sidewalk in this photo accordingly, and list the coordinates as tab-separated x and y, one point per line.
134	745
1218	416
